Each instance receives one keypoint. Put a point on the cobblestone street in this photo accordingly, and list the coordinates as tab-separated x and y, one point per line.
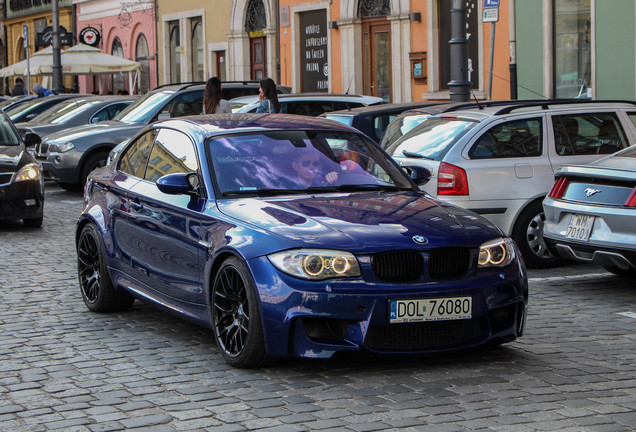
65	368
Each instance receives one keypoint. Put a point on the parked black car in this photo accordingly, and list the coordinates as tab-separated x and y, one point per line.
373	120
21	181
76	112
30	109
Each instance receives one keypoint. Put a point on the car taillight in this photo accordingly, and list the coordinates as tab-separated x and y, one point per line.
451	180
631	200
559	187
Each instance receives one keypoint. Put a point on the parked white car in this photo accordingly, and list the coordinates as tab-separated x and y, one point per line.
499	160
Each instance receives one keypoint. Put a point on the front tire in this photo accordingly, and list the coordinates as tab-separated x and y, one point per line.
236	316
94	161
95	283
528	234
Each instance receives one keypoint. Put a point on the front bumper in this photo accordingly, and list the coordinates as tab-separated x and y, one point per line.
307	319
22	200
61	167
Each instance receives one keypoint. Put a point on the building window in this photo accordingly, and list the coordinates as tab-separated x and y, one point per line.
572	50
374	8
197	50
256	18
118	78
472	29
175	52
142	57
220	65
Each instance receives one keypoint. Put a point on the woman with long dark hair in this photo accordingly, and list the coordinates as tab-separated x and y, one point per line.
268	96
212	101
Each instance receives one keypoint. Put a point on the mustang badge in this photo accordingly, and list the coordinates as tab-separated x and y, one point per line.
589	192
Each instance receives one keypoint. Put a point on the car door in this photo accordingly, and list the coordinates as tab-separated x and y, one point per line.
166	227
507	162
130	170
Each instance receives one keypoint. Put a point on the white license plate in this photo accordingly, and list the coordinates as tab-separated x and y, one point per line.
438	309
580	227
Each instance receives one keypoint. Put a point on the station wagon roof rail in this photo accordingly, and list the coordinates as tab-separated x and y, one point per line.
545	104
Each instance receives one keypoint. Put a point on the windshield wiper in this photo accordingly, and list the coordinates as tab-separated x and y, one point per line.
414	155
263	192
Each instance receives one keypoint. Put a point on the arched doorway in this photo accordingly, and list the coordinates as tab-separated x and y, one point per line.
142	57
376	47
255	24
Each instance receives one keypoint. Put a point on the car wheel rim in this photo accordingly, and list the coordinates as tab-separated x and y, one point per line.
534	237
231	312
88	264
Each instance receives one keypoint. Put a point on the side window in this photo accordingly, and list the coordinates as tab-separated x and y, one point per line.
114	109
519	138
632	117
100	115
133	161
189	103
173	152
585	134
380	123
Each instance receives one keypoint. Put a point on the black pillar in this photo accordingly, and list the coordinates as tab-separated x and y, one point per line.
459	85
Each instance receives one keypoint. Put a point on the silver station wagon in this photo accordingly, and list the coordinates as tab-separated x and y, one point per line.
498	160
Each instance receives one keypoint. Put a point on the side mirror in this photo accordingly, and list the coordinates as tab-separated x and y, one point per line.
179	184
31	139
164	116
418	174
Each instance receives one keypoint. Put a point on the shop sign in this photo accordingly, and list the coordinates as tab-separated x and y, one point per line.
314	50
45	38
89	36
19	8
257	34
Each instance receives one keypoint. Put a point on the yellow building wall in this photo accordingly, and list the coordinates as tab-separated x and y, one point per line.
15	34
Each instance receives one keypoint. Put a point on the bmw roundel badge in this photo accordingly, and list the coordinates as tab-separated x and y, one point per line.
420	239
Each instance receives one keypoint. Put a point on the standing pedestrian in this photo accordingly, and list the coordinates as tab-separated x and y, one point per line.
212	98
268	96
41	91
19	89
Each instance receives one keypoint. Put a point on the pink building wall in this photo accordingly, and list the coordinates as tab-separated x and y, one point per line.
127	26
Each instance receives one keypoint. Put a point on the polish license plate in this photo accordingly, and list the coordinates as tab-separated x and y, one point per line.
580	227
438	309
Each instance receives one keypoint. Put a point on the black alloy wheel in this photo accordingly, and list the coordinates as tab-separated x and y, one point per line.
236	317
95	283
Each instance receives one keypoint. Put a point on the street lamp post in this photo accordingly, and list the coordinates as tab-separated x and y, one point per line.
55	43
459	85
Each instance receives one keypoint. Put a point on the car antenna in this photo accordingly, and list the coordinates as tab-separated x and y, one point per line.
476	101
349	86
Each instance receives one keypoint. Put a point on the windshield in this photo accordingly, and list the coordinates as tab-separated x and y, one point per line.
280	162
400	126
145	108
8	137
23	107
340	118
432	138
63	111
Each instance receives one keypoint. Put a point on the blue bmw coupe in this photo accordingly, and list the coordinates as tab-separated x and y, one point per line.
293	236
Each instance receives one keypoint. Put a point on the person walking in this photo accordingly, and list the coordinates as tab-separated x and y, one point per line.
41	91
268	96
19	89
212	100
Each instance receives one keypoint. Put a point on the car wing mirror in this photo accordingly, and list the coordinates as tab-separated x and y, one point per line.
164	116
31	139
418	174
179	184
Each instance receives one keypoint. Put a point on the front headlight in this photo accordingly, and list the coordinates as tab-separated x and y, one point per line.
316	264
28	172
496	253
61	147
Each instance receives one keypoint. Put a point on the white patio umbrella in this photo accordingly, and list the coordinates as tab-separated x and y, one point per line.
41	57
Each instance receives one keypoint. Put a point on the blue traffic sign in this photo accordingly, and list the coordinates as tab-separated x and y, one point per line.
491	3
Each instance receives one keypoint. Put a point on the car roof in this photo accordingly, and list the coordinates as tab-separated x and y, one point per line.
371	109
218	124
314	96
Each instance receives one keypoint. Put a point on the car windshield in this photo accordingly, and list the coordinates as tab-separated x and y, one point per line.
23	107
142	111
8	136
432	138
282	162
63	111
401	126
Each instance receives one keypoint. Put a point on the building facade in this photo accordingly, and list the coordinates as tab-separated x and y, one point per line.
123	29
584	49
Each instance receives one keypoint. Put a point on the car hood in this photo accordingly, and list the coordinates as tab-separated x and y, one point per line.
89	130
10	157
364	222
